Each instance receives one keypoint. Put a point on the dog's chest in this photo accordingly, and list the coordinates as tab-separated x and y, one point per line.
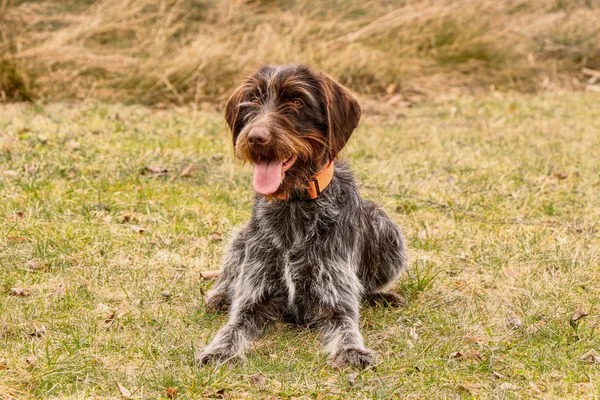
300	237
307	275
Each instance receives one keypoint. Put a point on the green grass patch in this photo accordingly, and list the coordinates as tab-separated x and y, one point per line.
110	213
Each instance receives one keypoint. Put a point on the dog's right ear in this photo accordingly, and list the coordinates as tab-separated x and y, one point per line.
232	113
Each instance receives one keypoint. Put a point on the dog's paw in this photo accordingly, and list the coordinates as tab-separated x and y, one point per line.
217	357
216	302
360	358
386	298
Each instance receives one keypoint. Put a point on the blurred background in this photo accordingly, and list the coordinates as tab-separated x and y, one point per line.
173	52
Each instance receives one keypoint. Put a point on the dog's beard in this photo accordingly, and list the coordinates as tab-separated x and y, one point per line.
286	163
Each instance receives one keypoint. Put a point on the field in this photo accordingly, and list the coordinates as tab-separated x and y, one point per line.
193	51
111	212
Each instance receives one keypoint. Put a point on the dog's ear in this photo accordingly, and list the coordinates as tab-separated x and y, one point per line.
343	114
232	113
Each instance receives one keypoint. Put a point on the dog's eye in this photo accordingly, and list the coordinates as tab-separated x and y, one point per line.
254	100
297	103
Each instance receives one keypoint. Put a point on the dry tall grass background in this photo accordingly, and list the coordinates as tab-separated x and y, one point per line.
181	51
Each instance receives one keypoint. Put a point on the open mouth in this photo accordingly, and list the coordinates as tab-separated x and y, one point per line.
268	175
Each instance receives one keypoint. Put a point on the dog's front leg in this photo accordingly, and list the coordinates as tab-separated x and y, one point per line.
343	340
220	295
336	315
246	321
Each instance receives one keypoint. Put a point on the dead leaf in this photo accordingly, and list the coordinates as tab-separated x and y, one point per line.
352	378
60	291
16	216
16	239
116	314
18	292
469	355
188	171
37	331
560	175
42	138
508	386
3	364
123	390
497	375
577	315
215	237
537	327
412	332
590	357
34	265
171	392
219	393
165	294
31	360
258	380
156	171
137	228
514	322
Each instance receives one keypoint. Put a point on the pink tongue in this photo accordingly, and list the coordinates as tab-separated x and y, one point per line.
267	177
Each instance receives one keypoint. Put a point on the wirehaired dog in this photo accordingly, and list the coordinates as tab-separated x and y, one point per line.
313	248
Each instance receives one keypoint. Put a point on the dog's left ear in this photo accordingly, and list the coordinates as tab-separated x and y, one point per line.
343	114
232	113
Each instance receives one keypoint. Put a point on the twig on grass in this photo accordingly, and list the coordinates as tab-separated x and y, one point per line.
211	274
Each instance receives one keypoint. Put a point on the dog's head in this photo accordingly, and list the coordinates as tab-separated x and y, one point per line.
289	121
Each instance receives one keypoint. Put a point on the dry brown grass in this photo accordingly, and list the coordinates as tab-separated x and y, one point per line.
181	51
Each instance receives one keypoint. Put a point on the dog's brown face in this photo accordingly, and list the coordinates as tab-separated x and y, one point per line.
288	121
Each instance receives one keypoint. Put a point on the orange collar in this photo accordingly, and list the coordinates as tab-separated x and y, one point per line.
317	183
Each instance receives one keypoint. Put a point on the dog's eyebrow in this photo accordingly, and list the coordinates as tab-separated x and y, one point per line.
252	84
271	84
300	86
245	117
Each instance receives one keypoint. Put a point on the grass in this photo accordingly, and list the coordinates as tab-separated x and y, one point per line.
497	195
191	51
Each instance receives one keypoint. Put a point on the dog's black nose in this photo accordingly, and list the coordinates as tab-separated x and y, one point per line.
259	136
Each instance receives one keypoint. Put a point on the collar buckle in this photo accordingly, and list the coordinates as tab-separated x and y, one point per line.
317	190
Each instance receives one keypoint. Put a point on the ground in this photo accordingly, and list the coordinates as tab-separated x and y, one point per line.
110	213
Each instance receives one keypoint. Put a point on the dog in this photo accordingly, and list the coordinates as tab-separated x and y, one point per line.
313	249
